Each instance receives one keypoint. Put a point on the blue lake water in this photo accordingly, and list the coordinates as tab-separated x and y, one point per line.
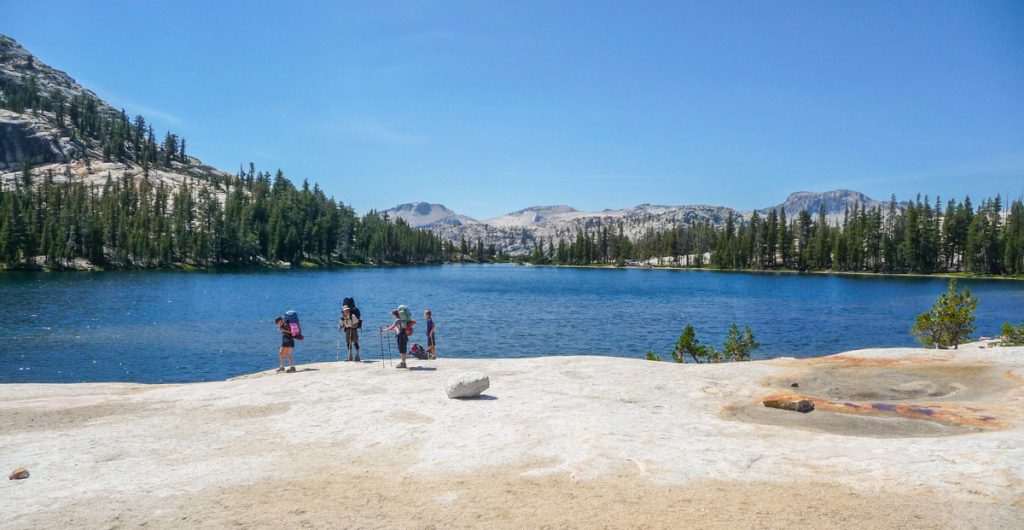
187	326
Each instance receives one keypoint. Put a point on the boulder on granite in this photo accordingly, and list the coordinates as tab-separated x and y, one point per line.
467	385
795	404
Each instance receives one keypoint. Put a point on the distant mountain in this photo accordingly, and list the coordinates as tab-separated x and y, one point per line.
836	203
535	215
426	215
518	232
55	126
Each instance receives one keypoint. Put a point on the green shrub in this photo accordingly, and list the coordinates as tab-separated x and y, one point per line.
738	347
1011	335
950	321
689	345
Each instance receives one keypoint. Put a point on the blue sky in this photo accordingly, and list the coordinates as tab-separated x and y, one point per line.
490	107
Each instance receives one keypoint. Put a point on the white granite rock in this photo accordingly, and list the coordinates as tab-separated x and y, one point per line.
467	385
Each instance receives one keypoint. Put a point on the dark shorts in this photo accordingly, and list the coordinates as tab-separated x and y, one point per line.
403	342
351	337
431	341
287	342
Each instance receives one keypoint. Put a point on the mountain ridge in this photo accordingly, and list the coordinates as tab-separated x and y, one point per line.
518	231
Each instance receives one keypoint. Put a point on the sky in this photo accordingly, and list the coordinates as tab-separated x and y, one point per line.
490	107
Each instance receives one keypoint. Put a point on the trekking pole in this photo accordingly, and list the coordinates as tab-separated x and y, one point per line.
337	353
381	336
392	363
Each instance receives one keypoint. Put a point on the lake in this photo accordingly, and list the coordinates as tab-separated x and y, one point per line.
198	326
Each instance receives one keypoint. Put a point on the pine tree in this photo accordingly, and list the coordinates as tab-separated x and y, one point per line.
688	344
739	346
950	321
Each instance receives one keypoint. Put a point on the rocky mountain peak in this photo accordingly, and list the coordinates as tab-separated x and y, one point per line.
54	126
836	202
427	215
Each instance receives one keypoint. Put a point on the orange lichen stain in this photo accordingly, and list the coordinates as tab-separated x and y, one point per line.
862	362
943	413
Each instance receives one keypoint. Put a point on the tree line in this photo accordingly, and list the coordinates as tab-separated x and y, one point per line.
915	237
250	220
246	219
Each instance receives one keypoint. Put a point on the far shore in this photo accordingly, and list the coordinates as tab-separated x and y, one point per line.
282	266
950	275
899	437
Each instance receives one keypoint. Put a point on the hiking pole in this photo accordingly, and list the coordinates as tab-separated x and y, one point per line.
337	353
381	336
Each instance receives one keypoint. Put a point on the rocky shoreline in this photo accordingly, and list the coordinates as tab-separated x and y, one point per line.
898	437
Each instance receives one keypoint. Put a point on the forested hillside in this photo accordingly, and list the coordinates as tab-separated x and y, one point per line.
131	223
83	185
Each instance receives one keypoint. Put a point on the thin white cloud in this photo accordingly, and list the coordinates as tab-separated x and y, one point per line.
374	131
133	107
149	112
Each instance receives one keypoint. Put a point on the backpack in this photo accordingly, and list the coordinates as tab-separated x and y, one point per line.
418	352
405	318
351	303
292	319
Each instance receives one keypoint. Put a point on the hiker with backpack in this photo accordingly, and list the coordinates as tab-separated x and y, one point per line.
350	322
403	328
287	343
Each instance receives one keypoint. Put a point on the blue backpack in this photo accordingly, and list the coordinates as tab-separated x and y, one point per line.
292	319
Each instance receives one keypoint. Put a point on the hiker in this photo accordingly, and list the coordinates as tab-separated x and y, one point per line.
350	323
287	343
400	335
431	341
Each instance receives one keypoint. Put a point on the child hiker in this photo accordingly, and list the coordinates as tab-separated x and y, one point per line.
350	323
431	341
287	343
400	335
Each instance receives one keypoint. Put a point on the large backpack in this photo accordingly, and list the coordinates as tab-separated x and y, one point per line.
351	303
292	319
405	319
418	352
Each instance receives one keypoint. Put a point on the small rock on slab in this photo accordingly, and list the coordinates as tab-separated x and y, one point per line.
799	405
18	474
467	385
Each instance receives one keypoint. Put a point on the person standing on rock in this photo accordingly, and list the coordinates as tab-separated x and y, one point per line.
287	343
350	323
400	335
431	341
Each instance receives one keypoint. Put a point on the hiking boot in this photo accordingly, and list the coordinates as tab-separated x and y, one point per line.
290	369
401	365
281	369
358	360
